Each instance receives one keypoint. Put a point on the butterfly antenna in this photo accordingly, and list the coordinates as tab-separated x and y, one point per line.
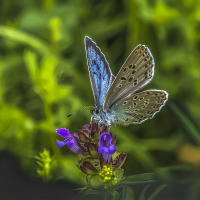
85	117
79	110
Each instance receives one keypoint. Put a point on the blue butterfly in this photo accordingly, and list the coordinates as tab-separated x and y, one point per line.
115	98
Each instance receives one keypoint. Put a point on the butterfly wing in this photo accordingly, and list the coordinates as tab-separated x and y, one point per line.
101	77
137	71
139	107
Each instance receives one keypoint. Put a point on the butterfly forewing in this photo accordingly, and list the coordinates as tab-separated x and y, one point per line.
139	107
99	71
136	72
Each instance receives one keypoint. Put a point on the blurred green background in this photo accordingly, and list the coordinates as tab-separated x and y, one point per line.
44	78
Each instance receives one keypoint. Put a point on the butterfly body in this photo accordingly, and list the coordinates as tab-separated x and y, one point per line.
101	116
115	98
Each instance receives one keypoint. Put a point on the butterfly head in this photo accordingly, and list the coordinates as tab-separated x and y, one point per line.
100	116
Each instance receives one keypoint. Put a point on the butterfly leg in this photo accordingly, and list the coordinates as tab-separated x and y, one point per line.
99	127
109	129
91	126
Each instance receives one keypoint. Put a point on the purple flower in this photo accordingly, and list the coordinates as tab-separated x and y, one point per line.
105	146
70	141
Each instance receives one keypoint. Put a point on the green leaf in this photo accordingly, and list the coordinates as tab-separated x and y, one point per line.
96	180
114	155
142	196
115	195
129	194
23	38
157	191
186	123
138	179
31	64
162	14
118	174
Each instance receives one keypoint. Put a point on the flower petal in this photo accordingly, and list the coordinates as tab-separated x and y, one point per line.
73	145
60	143
69	142
106	157
63	132
105	140
100	150
112	149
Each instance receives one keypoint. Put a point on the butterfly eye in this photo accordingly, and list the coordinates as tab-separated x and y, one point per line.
97	111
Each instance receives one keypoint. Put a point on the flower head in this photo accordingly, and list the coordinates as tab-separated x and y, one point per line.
99	158
105	147
70	141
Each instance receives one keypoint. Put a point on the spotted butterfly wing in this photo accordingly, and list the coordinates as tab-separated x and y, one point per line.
123	106
136	72
101	77
138	107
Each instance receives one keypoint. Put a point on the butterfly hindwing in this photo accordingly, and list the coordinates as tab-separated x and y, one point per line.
139	107
99	71
136	72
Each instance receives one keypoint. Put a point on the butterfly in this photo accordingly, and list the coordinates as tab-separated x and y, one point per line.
115	97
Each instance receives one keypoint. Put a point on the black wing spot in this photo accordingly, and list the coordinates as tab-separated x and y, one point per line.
160	101
136	110
133	72
135	51
155	106
130	79
134	115
134	66
146	100
146	103
124	69
135	97
125	102
145	59
135	84
129	107
156	94
148	93
94	62
134	104
141	98
143	107
126	119
120	86
123	78
130	66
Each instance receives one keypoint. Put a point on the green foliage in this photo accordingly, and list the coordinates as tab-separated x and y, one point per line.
44	78
46	162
